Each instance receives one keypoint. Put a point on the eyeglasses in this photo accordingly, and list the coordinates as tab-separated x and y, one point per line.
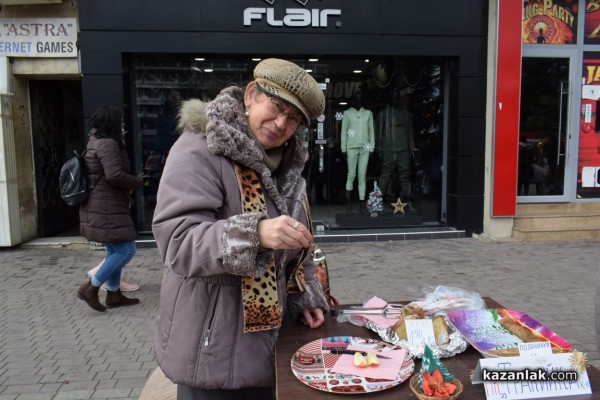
294	121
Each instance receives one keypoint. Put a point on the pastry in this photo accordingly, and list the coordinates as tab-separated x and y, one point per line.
518	330
440	327
440	330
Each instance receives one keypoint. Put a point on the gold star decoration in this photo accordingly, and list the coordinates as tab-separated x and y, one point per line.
579	361
399	206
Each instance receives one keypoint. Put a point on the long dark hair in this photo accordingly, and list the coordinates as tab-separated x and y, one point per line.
106	123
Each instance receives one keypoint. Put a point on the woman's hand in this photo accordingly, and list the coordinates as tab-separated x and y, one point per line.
313	317
283	232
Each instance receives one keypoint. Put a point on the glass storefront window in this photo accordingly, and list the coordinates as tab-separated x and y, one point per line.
402	97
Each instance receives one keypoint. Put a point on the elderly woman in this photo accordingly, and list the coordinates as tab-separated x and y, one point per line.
231	226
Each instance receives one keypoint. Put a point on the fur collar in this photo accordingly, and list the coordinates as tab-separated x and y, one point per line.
223	123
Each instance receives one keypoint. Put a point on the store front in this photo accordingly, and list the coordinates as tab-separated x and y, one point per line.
419	77
402	98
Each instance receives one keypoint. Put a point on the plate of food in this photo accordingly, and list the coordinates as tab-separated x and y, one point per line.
314	365
497	332
391	328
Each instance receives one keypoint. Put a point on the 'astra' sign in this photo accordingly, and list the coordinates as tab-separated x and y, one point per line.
294	17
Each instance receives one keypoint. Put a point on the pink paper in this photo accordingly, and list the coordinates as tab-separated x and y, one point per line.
380	320
387	368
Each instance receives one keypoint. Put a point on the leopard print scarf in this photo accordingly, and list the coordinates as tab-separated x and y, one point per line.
259	295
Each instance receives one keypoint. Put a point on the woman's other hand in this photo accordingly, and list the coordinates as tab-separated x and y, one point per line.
283	232
313	318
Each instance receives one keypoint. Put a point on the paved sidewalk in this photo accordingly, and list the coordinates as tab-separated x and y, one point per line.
53	346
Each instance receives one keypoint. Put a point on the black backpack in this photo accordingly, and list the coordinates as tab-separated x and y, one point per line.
74	188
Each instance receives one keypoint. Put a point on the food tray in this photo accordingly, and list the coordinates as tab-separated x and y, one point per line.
312	364
482	329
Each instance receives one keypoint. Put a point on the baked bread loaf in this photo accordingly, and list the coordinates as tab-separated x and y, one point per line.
440	327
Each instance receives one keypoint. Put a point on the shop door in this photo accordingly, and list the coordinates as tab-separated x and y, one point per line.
546	128
57	130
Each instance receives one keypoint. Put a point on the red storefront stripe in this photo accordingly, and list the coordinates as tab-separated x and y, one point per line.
507	101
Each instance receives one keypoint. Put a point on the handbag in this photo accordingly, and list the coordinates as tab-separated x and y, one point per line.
322	274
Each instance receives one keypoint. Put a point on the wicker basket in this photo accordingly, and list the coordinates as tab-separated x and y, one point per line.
419	393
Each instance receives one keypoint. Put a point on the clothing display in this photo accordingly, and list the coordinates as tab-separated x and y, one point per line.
397	144
357	142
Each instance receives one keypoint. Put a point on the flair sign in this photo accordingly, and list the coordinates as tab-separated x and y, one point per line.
293	17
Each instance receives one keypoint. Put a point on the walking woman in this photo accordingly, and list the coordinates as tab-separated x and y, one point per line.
105	217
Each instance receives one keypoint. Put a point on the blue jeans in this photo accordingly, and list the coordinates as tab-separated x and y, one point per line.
117	256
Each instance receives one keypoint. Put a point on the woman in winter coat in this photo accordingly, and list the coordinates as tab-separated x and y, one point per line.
105	217
231	226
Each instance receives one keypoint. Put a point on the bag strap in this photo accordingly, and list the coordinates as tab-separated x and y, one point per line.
83	153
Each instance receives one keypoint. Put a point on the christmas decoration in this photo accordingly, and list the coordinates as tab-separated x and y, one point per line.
399	206
431	363
375	201
434	385
579	361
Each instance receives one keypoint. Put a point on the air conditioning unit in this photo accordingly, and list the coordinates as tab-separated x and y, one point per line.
10	228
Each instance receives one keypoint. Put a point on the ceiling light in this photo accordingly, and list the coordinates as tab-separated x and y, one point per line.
256	59
343	103
308	70
357	71
199	59
208	70
366	60
313	59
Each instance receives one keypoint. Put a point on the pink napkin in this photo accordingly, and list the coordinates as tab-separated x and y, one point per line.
380	320
387	368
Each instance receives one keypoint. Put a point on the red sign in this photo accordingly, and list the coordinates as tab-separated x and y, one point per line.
592	22
550	21
588	165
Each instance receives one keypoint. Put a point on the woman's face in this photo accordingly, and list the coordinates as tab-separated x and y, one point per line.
272	120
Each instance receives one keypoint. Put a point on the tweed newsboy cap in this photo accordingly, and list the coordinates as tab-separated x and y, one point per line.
291	83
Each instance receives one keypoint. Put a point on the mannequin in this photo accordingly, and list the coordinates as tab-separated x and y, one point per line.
395	124
357	143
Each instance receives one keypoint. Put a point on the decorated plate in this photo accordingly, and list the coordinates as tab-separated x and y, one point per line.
312	365
497	332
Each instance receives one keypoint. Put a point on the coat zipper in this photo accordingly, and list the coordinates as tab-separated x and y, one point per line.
211	319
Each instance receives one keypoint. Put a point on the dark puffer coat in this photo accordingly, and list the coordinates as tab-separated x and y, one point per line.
105	217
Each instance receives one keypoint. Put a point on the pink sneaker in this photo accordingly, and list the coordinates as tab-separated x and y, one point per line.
125	286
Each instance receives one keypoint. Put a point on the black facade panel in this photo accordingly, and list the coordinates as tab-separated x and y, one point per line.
282	43
101	89
135	15
101	62
466	175
434	17
466	136
473	53
407	17
472	96
466	213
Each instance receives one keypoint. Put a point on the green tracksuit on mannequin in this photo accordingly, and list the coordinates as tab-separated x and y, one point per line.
357	142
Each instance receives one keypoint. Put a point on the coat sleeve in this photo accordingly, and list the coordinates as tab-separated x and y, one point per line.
344	135
371	132
197	223
111	160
